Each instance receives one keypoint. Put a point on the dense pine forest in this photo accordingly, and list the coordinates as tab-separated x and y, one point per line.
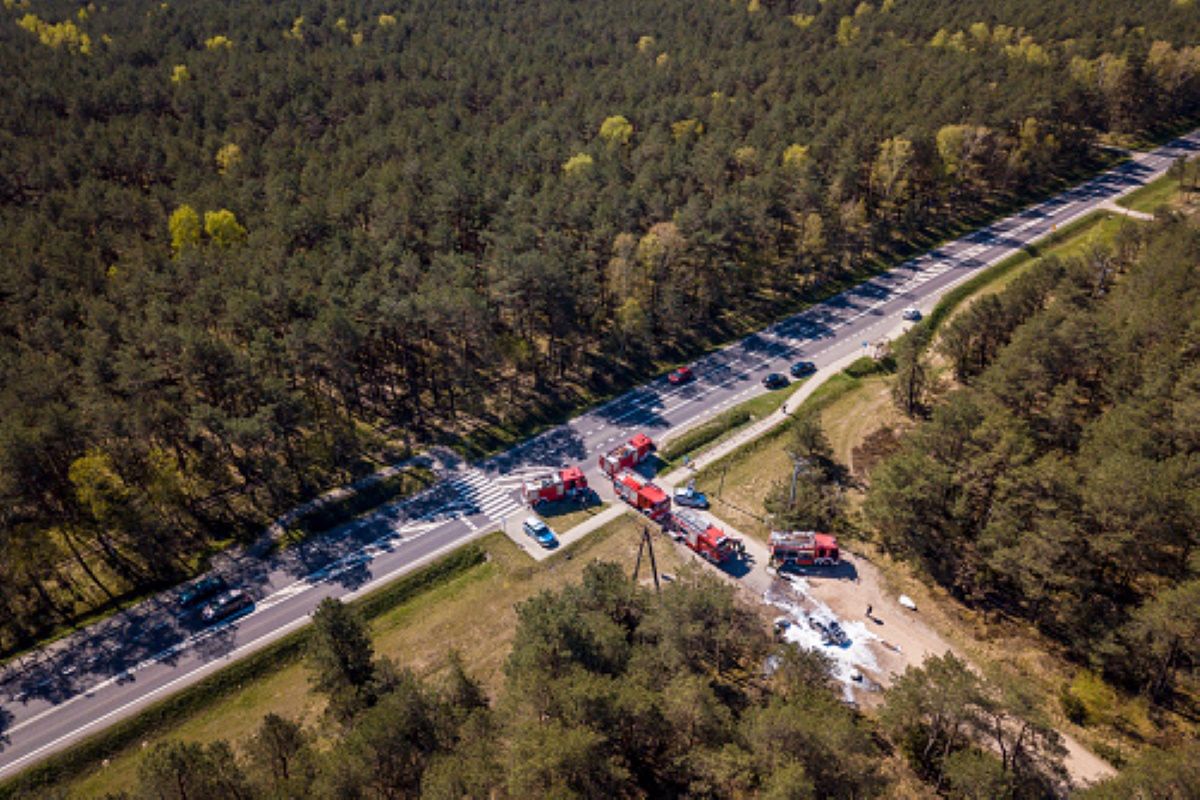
247	246
613	692
1058	483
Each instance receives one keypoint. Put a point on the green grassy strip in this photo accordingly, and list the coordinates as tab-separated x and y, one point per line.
823	396
1151	196
961	293
849	379
701	435
388	597
85	756
752	410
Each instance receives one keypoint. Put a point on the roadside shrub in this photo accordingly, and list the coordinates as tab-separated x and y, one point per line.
1073	708
79	759
1098	700
704	434
867	366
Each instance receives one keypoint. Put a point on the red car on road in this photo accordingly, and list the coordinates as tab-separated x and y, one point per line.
681	376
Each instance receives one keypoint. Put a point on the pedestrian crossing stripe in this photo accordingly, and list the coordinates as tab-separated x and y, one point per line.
476	490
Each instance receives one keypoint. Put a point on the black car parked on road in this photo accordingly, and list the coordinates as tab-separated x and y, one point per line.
803	368
201	590
226	605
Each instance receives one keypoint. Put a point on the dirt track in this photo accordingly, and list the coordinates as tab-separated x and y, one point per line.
903	637
913	640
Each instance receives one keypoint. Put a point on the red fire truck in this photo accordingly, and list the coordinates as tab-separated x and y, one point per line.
565	484
804	548
708	540
642	495
627	455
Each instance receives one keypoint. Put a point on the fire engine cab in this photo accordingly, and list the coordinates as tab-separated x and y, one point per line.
626	456
708	540
566	484
642	495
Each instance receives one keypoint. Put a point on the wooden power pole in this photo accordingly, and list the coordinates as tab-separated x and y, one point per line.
647	544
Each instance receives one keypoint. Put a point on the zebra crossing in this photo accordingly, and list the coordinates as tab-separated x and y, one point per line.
480	496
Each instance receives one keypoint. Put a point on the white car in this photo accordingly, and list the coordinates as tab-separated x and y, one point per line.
911	314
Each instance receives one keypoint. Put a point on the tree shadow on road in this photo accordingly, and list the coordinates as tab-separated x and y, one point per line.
353	577
6	719
219	643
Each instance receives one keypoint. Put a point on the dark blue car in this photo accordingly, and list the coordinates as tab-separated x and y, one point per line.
540	532
802	369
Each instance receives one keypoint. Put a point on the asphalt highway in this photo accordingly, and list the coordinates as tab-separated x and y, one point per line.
98	676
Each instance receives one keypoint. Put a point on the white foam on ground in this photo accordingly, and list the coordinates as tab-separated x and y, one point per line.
854	657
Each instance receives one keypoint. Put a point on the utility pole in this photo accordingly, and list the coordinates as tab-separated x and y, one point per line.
647	544
721	486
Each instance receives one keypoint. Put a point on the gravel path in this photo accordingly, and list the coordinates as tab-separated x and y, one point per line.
898	637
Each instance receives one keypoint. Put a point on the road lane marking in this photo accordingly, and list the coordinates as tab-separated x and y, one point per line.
207	666
1072	209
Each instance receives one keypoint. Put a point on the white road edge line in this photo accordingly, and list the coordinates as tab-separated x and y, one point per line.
248	647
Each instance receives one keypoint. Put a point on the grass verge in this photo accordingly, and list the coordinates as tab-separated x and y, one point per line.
564	515
725	424
1152	196
738	483
1007	269
701	435
472	610
162	716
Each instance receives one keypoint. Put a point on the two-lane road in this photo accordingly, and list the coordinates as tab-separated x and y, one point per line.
118	666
